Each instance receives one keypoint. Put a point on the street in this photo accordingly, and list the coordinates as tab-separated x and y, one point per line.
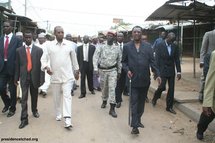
91	124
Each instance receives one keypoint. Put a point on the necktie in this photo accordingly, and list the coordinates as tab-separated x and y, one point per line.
6	47
86	53
29	63
120	45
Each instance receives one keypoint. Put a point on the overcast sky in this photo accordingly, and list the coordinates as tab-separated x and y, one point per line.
85	16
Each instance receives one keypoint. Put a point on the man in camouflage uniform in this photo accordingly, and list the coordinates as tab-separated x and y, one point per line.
107	59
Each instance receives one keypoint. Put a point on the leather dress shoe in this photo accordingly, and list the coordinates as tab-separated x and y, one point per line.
140	125
10	114
118	105
135	131
68	127
93	92
171	110
147	100
5	109
99	89
81	96
199	136
44	94
154	102
36	114
23	124
104	103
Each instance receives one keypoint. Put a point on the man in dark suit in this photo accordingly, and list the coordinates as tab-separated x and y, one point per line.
85	61
8	45
136	61
120	86
28	70
167	58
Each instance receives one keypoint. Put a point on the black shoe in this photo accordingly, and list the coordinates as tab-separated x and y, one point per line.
201	98
113	113
19	99
99	89
140	125
125	94
68	127
93	92
199	136
171	110
135	131
81	96
40	92
36	114
10	114
147	100
23	124
5	109
104	103
72	93
118	105
154	102
44	94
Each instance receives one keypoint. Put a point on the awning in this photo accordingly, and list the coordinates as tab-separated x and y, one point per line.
5	9
198	11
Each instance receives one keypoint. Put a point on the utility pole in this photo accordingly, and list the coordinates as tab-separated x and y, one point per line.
25	7
47	25
9	4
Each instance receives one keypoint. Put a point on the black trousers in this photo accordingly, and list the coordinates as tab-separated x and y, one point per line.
170	92
89	73
137	102
120	87
34	98
204	121
8	80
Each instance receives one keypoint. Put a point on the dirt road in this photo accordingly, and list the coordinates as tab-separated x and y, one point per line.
91	124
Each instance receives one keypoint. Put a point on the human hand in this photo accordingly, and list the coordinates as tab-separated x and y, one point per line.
48	70
76	75
129	74
16	83
201	65
207	111
158	80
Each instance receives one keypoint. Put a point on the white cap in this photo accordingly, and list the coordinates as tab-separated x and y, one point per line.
94	37
41	35
19	33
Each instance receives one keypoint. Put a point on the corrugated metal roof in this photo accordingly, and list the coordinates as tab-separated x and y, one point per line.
198	11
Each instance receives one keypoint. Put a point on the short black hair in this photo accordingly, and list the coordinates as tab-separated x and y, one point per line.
10	22
137	27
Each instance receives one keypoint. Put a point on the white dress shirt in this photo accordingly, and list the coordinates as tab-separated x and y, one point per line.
62	59
85	51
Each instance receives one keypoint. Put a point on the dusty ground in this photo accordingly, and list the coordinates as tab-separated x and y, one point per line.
93	124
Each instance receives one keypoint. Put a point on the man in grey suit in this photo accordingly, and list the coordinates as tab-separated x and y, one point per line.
28	70
208	45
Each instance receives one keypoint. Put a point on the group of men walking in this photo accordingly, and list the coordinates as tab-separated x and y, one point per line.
117	65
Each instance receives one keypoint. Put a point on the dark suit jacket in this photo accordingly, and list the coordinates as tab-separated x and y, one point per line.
80	56
13	45
139	63
37	75
167	63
